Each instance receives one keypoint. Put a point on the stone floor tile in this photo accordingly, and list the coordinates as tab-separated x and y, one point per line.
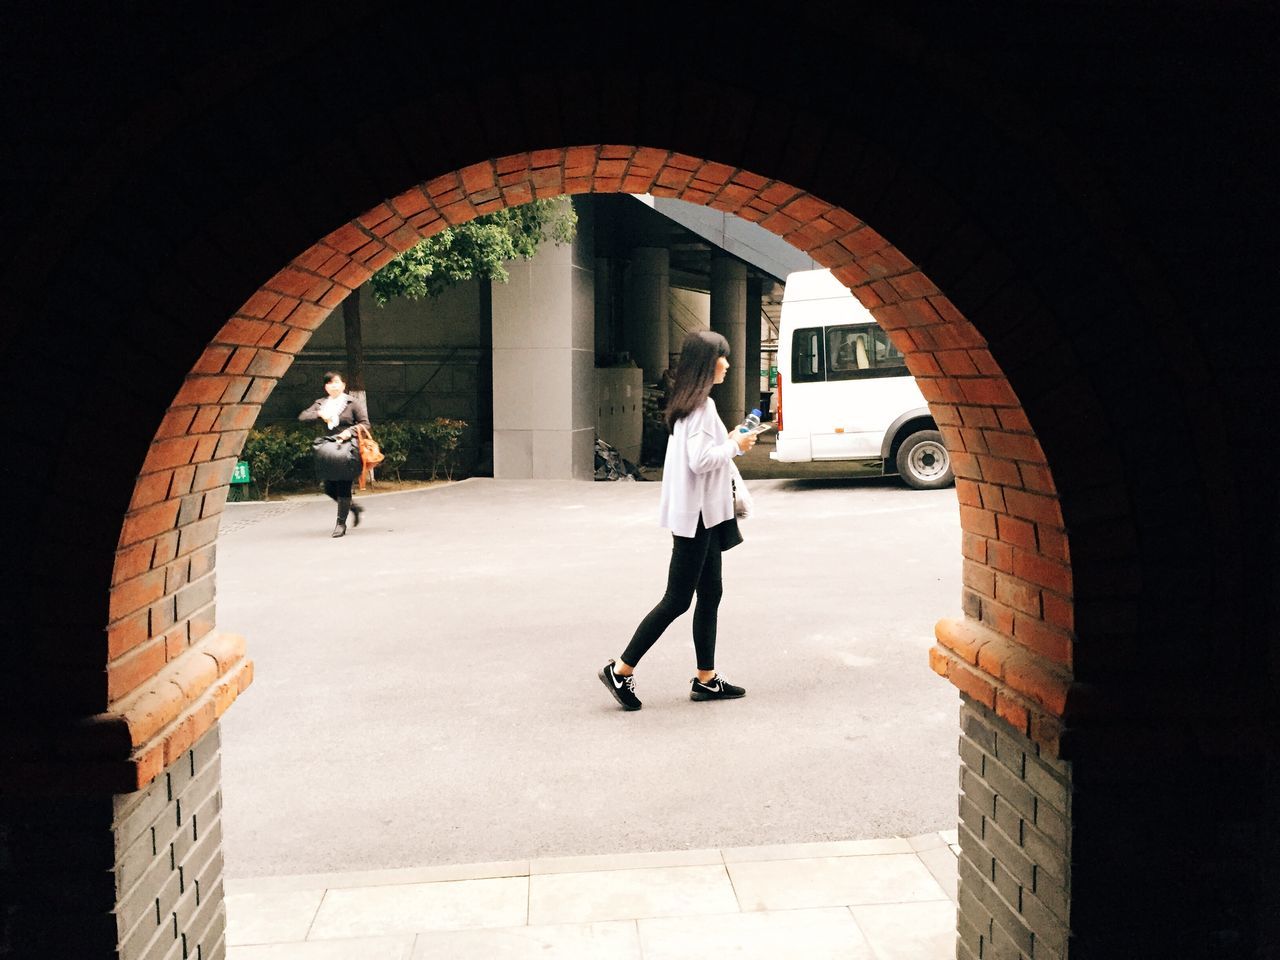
372	878
829	934
629	894
421	907
808	851
833	881
926	841
616	940
377	948
271	917
951	836
941	862
627	861
909	931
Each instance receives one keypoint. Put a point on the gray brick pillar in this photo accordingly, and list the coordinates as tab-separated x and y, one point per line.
137	876
1015	843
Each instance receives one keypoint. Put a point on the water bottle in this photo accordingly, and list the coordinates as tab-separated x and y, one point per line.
750	424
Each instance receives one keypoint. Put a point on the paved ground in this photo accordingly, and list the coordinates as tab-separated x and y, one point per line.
888	899
425	689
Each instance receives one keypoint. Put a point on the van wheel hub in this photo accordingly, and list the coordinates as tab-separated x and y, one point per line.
923	461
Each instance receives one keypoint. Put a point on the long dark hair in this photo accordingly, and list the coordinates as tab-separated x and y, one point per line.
695	374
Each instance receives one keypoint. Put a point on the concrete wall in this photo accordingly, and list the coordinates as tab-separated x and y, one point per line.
447	320
544	364
423	359
405	342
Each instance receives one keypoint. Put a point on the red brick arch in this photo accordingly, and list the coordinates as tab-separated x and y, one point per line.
170	674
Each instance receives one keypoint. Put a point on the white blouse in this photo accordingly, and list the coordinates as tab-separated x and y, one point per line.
331	408
698	473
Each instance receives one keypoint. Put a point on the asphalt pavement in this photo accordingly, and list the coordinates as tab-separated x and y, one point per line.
425	689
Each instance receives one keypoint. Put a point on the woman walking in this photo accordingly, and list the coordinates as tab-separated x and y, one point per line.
697	507
337	453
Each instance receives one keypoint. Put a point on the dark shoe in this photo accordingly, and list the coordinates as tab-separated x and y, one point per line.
344	507
356	510
339	531
622	688
715	689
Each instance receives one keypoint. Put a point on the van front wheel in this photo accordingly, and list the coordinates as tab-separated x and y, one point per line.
923	462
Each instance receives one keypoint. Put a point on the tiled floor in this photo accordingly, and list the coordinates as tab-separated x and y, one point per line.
890	899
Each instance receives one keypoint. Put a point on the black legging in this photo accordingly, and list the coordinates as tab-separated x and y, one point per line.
338	489
695	567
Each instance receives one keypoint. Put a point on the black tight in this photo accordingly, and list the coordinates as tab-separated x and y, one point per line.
695	568
337	489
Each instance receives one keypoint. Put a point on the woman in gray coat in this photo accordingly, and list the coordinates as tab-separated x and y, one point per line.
337	452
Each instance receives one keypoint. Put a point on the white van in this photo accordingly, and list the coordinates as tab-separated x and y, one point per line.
844	392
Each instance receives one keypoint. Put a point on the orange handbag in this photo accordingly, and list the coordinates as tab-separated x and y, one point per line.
370	453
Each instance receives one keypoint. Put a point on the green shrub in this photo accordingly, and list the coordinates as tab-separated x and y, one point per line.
275	453
441	438
418	447
429	447
397	439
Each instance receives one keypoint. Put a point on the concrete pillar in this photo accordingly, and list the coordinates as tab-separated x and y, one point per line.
729	318
690	310
751	357
544	366
647	290
605	276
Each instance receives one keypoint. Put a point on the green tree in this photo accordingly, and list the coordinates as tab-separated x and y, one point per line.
475	250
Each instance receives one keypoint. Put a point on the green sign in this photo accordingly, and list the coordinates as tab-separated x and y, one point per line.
241	473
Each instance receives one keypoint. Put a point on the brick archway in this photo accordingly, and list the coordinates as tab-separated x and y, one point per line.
170	674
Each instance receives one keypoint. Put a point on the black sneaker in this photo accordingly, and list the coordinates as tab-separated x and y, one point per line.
715	689
622	688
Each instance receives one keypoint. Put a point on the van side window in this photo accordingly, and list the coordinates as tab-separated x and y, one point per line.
861	352
807	361
886	354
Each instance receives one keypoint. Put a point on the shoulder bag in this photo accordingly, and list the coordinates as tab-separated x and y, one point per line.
370	453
